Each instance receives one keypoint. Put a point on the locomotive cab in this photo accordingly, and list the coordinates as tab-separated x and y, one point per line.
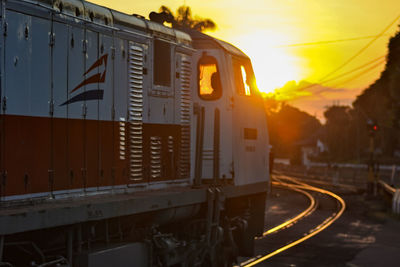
230	126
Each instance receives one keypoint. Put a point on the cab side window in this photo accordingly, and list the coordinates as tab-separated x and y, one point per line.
162	63
209	81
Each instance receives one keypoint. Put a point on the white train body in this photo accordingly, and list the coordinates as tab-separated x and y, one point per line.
102	107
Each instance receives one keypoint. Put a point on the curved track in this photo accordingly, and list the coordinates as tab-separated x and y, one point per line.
311	208
293	184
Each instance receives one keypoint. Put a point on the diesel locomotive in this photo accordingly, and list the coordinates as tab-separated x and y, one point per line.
124	142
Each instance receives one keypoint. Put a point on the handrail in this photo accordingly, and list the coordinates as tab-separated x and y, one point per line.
395	192
387	187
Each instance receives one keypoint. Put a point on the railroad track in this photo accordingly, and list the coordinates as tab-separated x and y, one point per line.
305	218
311	208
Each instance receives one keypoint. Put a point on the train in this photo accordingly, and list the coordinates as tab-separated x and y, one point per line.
124	142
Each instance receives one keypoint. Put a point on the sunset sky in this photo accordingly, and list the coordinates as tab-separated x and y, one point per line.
277	36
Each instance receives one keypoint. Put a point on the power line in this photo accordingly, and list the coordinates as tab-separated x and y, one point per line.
362	49
360	74
356	69
332	41
346	73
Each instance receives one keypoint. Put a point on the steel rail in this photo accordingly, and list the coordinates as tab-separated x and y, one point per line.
311	208
316	230
319	181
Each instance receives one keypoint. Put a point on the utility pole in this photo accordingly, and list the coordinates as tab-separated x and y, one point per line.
372	175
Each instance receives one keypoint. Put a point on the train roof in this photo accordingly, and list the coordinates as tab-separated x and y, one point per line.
107	17
204	41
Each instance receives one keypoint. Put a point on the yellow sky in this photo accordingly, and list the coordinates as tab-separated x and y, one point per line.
264	28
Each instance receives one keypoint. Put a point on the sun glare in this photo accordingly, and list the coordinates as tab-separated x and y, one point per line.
273	66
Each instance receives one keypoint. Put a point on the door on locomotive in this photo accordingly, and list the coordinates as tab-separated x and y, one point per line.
235	141
213	155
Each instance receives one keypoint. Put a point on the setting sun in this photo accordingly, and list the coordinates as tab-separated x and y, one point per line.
273	66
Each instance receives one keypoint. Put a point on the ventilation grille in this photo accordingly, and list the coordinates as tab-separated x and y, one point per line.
170	144
184	170
155	157
135	112
122	139
185	92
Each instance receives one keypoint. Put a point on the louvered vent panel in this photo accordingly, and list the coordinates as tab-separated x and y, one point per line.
135	112
170	144
155	157
122	139
186	73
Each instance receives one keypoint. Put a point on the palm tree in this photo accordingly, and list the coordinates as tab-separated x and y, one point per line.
182	19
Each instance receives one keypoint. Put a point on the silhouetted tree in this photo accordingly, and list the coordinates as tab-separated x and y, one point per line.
271	104
380	102
184	19
288	126
337	132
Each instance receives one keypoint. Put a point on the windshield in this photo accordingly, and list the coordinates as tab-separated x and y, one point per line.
244	77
